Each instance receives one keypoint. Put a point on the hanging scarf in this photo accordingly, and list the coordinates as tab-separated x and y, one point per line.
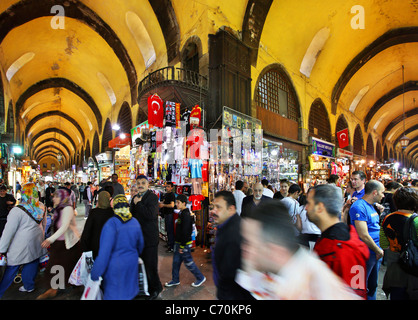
29	202
121	207
64	195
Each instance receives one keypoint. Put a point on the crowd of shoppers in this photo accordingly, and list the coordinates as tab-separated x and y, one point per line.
267	245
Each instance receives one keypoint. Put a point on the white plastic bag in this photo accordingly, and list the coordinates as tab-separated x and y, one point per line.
81	271
92	290
142	279
3	260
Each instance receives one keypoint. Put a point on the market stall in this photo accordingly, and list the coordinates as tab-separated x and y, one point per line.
321	162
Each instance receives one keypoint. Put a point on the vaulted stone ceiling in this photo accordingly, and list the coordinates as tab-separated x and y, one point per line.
65	83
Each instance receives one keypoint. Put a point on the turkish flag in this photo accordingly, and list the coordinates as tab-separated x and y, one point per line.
343	139
155	111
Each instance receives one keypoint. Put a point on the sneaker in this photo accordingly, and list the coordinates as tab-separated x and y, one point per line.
171	283
22	289
198	283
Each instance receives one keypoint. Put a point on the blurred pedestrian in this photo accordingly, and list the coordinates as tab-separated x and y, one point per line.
87	199
167	209
121	244
182	246
144	207
226	253
22	238
284	188
7	201
249	203
339	245
90	238
397	283
276	268
65	248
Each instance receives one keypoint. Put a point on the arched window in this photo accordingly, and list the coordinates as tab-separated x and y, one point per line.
378	151
385	153
190	56
96	146
370	147
125	118
275	93
107	135
319	126
358	141
88	151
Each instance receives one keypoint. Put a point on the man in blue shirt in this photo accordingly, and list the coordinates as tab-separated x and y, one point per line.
358	180
365	218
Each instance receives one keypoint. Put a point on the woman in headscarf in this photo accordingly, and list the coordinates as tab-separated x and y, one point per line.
90	239
64	243
22	238
121	243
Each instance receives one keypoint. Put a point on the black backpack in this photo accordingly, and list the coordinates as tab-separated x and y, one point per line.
408	259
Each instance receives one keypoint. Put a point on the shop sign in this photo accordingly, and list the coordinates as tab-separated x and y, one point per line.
104	157
118	142
136	132
342	153
323	148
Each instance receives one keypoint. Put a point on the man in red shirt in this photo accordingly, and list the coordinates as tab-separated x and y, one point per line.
339	245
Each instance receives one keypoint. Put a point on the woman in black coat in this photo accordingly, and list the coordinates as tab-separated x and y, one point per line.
90	239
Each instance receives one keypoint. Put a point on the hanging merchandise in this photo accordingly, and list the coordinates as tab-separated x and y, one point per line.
122	167
196	201
172	114
196	116
185	117
155	111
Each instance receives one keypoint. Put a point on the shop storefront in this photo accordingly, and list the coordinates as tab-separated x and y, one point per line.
280	161
104	164
321	162
92	170
122	160
238	152
122	165
344	164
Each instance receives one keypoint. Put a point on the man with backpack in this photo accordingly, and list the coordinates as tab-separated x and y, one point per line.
401	282
87	200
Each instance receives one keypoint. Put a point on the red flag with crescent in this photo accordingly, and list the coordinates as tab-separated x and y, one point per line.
155	111
343	140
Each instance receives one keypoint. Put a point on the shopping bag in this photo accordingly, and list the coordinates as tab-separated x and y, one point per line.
92	290
86	266
142	279
75	278
3	265
43	261
81	271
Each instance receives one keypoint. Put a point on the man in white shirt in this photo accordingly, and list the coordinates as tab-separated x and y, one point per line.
267	192
239	194
292	204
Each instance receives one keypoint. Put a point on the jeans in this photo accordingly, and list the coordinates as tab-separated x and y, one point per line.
185	257
87	208
29	272
373	266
